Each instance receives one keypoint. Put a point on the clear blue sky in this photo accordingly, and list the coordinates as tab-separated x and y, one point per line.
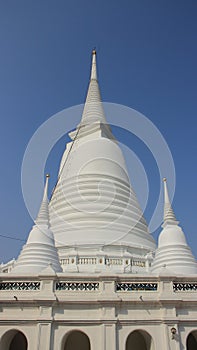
147	54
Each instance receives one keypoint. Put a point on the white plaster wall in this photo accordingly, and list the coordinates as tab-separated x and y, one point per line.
107	317
103	334
94	333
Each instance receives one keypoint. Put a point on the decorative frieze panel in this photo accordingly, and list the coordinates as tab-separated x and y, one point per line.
129	287
19	285
77	286
184	287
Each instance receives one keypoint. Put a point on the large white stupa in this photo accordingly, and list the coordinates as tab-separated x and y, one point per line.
90	275
94	213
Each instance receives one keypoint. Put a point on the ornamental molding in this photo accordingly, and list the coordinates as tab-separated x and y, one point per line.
136	286
184	287
77	286
19	286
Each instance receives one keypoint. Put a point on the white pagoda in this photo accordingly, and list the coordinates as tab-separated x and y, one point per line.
90	275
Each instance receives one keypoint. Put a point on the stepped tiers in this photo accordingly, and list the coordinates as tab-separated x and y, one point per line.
40	250
173	251
93	222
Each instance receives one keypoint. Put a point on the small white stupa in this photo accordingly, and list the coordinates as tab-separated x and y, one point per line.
39	251
173	251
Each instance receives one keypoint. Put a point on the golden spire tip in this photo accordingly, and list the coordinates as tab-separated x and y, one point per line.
47	175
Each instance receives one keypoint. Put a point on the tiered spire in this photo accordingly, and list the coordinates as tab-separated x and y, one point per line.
43	214
173	251
93	109
40	250
93	207
169	216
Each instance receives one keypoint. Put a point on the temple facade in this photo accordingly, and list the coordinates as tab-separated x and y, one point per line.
90	275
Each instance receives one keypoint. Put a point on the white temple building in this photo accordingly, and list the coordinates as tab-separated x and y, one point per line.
90	276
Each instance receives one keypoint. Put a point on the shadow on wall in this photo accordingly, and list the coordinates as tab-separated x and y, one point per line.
75	340
192	341
139	340
13	340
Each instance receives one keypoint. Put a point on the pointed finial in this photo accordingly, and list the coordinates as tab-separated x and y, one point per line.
93	109
169	216
45	195
93	69
43	214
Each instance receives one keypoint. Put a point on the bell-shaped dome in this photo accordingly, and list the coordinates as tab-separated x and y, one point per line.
93	205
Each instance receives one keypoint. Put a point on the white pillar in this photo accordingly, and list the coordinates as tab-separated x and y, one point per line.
109	337
44	336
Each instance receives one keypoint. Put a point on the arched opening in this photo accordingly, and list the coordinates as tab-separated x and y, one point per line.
77	340
13	340
192	341
139	340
